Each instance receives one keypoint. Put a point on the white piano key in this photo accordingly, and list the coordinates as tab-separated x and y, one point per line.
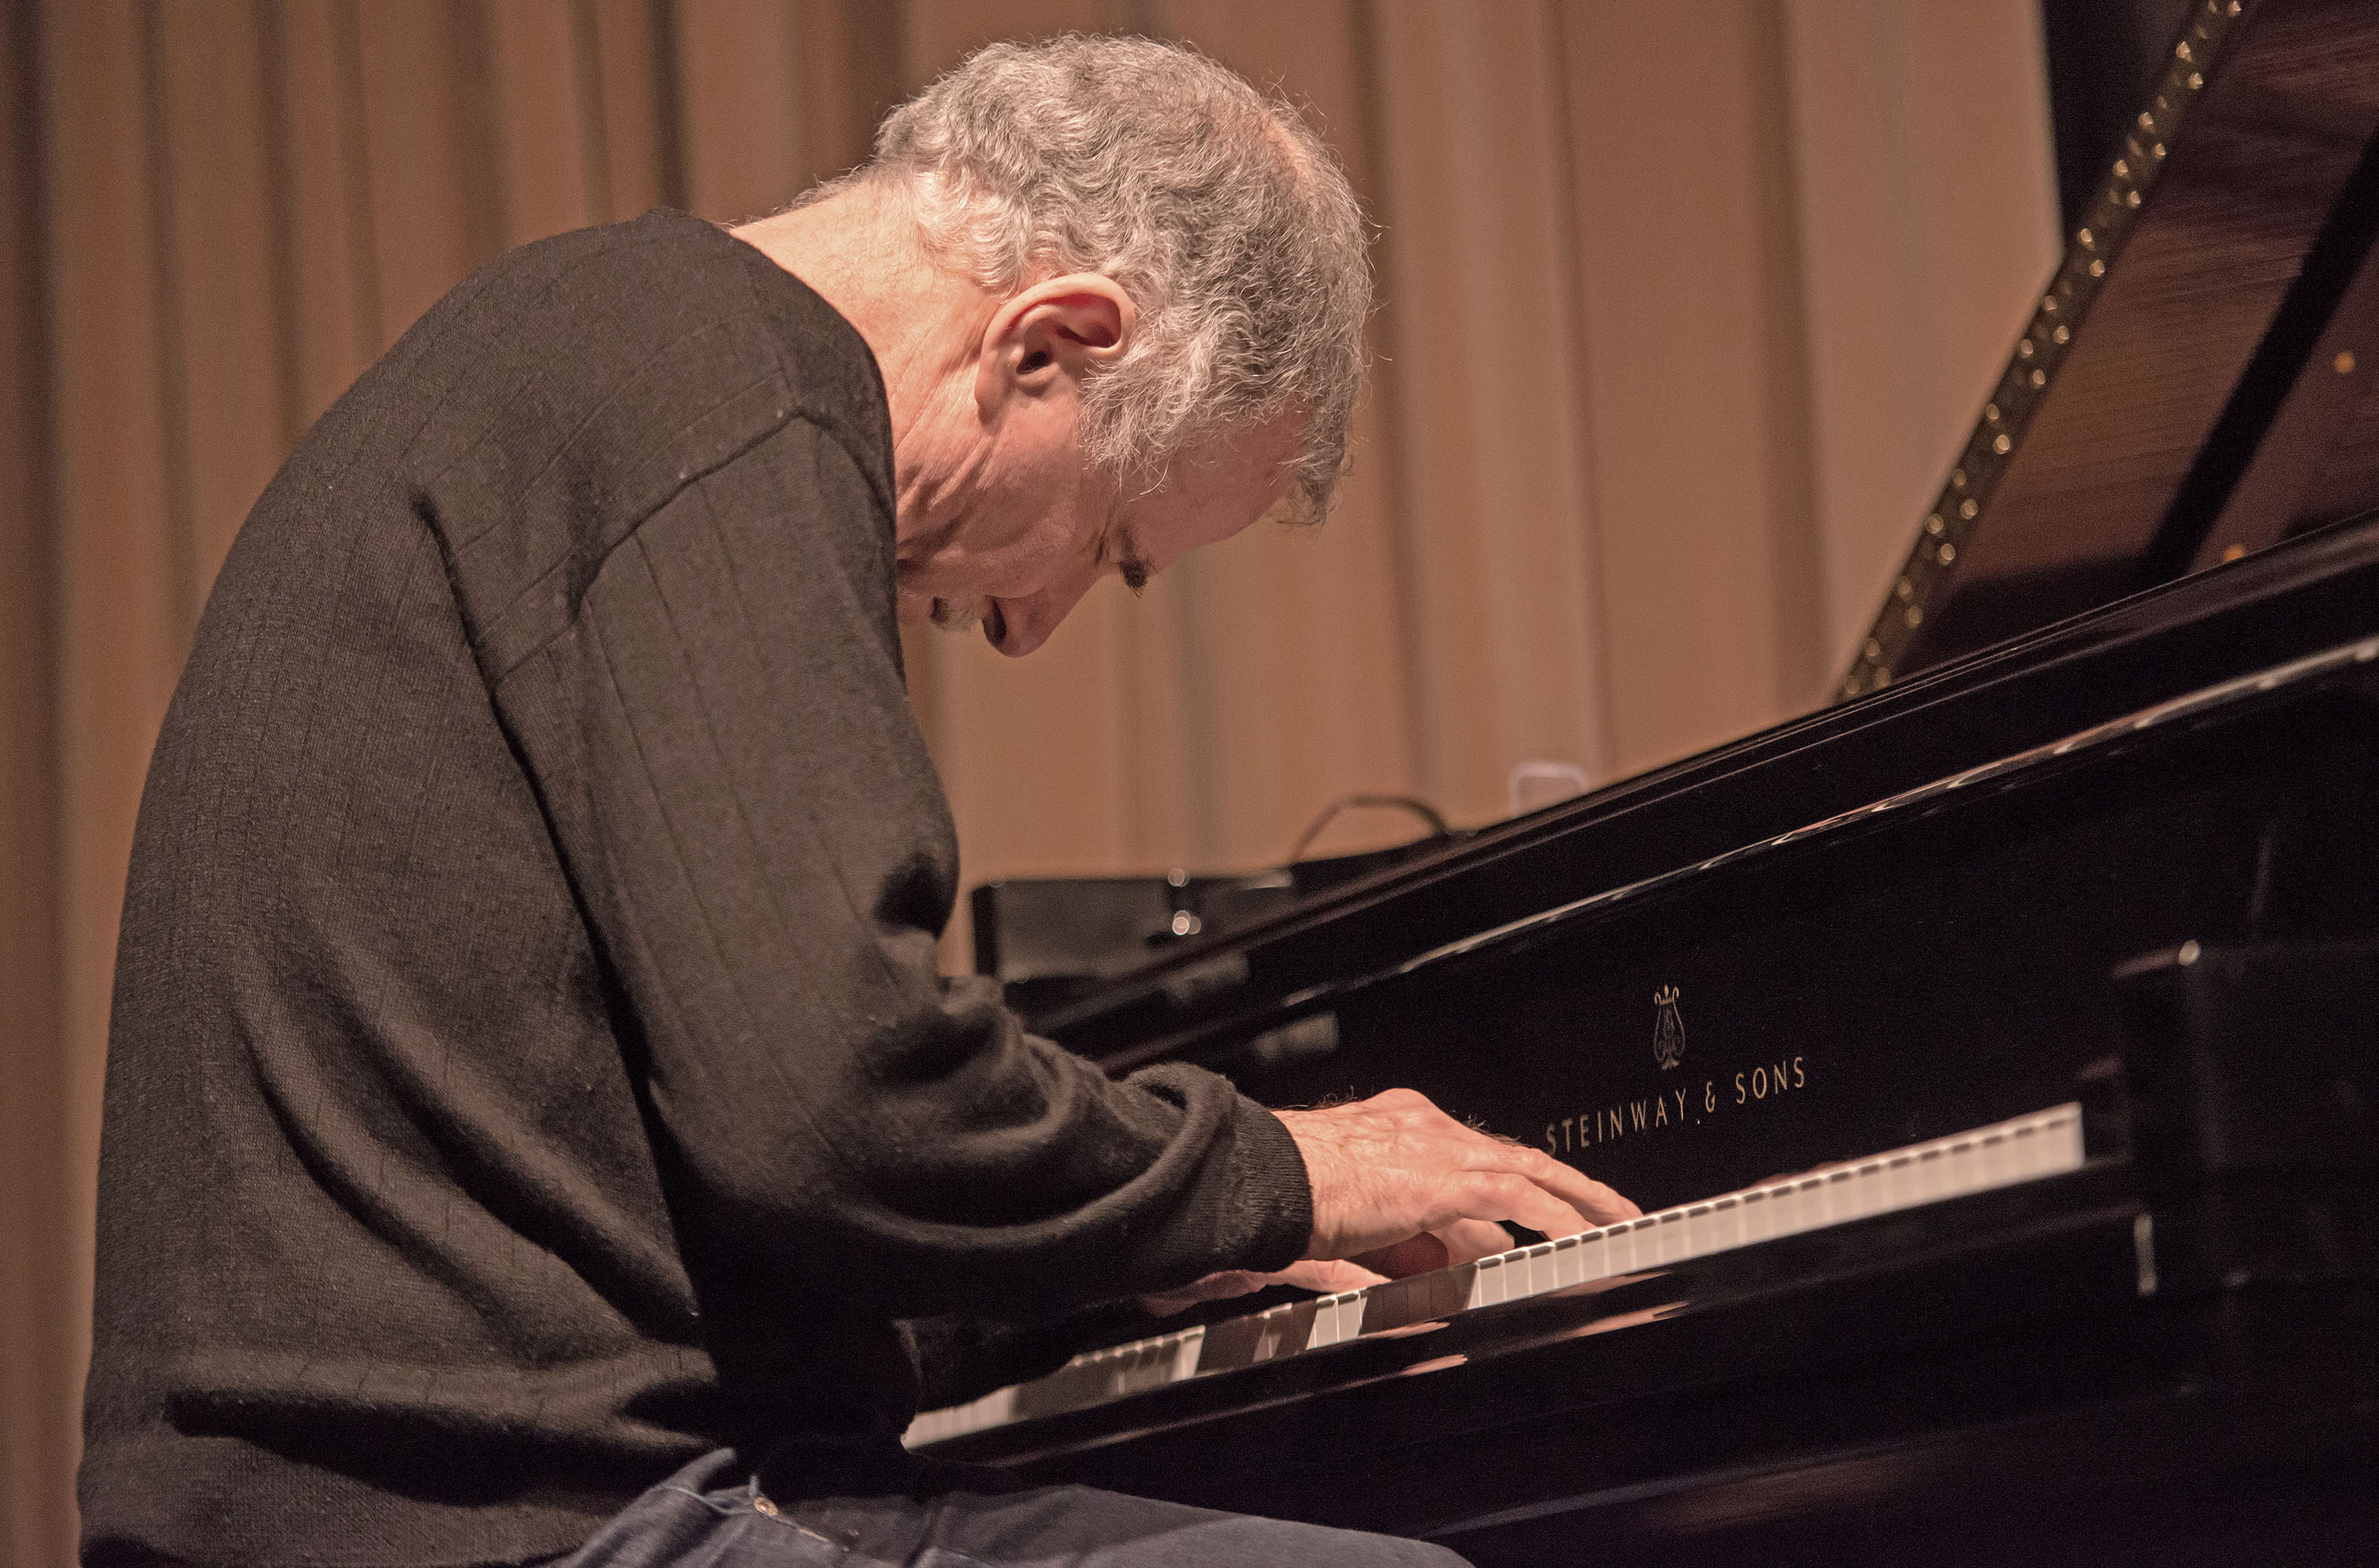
1795	1203
1620	1251
1837	1202
1663	1240
1487	1281
2024	1149
1925	1175
1701	1230
1894	1185
1726	1223
1854	1194
1961	1170
1974	1157
1336	1320
1992	1160
1520	1272
2056	1146
1874	1186
1942	1170
1813	1209
992	1410
2062	1141
1832	1200
1273	1338
1758	1215
1808	1204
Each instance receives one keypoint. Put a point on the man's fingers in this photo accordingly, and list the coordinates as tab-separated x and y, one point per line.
1463	1241
1593	1202
1467	1241
1535	1190
1609	1206
1505	1195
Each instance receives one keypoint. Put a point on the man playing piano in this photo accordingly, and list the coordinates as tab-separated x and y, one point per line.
533	1115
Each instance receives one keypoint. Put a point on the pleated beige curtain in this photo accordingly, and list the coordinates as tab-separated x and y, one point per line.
1685	305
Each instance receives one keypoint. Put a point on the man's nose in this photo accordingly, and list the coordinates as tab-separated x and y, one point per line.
1031	620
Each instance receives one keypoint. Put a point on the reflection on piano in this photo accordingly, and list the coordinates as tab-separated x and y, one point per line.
2106	889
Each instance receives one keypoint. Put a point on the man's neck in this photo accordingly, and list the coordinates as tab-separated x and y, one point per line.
924	324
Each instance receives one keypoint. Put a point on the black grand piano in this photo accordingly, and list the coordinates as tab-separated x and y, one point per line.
1995	1052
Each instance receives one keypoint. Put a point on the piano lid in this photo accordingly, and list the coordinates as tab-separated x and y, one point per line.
2196	383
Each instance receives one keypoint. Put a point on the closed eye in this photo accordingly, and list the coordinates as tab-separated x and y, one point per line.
1135	573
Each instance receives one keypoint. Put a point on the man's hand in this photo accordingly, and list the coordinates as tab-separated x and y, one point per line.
1394	1172
1400	1188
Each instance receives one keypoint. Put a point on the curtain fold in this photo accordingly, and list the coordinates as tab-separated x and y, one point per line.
1684	310
39	1371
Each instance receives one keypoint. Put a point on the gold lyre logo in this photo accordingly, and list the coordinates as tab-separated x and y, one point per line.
1668	1028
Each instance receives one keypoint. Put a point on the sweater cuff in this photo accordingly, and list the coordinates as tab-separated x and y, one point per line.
1271	1187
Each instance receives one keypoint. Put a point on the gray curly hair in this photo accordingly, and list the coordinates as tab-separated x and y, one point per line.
1219	210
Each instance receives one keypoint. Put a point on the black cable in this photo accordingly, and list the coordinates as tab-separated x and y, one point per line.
1419	808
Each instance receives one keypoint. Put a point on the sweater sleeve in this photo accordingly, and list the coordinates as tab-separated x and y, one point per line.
721	741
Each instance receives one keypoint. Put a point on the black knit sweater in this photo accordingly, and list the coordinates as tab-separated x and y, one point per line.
528	1068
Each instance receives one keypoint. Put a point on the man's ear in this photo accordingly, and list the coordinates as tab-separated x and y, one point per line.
1060	328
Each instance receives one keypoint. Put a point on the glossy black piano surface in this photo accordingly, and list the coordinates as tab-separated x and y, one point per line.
1933	906
1891	976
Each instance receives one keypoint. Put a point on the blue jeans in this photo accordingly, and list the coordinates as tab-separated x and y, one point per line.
717	1513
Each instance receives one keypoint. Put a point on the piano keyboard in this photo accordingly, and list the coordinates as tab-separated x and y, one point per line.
2045	1143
